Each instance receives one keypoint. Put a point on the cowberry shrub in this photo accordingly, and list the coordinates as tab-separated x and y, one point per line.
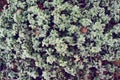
59	39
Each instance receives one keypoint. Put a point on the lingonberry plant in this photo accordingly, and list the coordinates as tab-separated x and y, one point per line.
59	39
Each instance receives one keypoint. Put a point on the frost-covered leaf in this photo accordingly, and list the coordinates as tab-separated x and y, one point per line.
85	22
46	75
51	59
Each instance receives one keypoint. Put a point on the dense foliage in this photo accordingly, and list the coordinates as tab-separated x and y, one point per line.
59	39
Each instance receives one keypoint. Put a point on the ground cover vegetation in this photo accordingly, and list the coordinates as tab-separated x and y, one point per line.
59	39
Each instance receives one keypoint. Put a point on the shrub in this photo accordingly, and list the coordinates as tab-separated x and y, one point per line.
59	39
